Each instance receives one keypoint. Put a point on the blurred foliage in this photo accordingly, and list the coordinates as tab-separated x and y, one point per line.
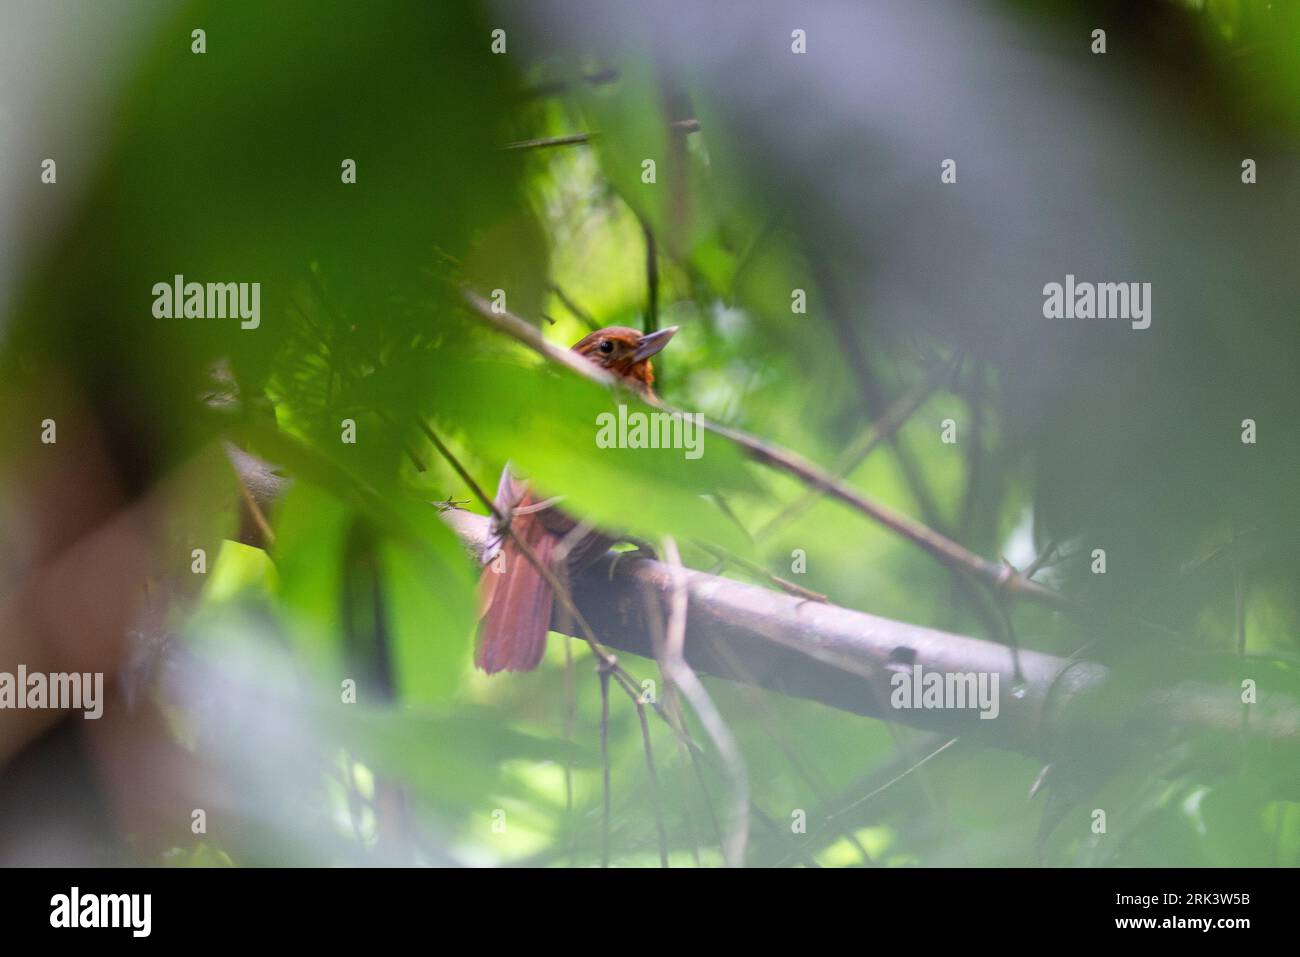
817	173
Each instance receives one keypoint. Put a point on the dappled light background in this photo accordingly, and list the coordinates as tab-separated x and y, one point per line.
774	171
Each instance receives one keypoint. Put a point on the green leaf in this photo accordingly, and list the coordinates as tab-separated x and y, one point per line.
430	601
547	425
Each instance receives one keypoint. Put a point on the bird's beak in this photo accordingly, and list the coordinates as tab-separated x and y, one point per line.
650	345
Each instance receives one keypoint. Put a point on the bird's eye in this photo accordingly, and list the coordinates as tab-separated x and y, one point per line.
607	347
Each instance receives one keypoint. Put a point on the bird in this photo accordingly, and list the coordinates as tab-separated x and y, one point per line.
515	599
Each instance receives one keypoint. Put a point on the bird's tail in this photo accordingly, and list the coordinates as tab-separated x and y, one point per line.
516	603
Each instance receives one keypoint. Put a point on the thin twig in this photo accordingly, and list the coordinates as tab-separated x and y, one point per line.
556	87
677	671
1045	556
878	432
651	278
575	139
654	786
570	724
685	756
1239	594
1017	675
1239	615
583	315
504	525
607	664
652	289
545	142
854	351
725	557
604	760
894	780
975	454
938	546
831	817
673	708
580	531
255	510
771	724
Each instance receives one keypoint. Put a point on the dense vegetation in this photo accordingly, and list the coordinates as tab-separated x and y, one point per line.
774	172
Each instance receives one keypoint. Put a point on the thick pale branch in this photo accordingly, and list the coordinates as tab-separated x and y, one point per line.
845	659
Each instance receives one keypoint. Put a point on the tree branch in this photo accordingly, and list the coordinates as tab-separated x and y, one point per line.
943	549
844	658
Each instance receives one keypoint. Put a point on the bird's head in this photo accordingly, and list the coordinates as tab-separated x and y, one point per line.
625	352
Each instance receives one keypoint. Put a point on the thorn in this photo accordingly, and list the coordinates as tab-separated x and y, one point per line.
1040	781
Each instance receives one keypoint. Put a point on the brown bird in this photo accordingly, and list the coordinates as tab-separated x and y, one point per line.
515	600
